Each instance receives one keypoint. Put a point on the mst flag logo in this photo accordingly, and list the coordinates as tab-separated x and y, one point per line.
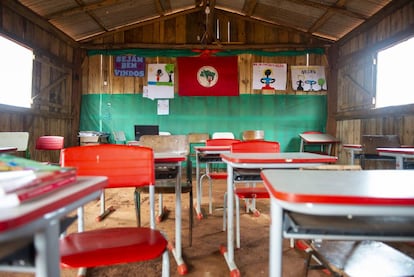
208	76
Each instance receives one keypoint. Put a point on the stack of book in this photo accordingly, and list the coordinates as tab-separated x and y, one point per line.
23	180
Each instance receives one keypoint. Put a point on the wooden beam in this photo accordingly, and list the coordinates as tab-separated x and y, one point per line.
375	19
81	8
140	24
334	8
249	6
29	15
94	18
326	16
159	8
214	46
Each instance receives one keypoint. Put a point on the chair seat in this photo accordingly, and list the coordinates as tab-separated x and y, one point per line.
218	175
252	192
49	143
111	246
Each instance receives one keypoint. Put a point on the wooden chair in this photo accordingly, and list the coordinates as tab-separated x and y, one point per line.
165	177
195	139
370	143
211	173
125	166
250	177
253	135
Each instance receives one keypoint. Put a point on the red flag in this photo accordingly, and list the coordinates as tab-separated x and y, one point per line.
208	76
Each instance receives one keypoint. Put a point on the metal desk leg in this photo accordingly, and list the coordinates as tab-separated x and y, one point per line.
199	215
352	152
47	254
176	251
276	239
229	252
399	162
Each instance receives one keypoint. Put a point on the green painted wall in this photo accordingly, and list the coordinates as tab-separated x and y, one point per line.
282	117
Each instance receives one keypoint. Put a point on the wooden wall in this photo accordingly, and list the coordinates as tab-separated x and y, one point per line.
352	113
98	75
63	72
56	82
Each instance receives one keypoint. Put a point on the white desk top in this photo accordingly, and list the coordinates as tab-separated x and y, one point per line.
318	138
343	192
396	150
277	158
14	217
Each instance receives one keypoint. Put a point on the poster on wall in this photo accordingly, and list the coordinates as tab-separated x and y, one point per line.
160	81
308	78
208	76
129	66
163	107
271	76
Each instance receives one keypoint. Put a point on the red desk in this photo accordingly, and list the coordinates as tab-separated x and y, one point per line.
204	151
339	195
40	218
399	153
260	161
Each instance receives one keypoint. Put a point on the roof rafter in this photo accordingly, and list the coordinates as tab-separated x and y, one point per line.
81	8
249	6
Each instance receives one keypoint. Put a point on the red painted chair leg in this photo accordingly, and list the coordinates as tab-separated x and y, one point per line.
235	273
223	249
163	215
105	214
182	269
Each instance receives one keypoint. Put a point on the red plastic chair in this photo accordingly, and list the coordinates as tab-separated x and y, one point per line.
125	166
50	143
212	174
249	193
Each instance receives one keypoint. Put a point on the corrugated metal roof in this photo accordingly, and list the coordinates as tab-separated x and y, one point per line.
325	19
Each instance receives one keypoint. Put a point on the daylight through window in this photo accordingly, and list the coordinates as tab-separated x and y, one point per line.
16	67
395	74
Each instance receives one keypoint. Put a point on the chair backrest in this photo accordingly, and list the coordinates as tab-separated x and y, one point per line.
256	146
253	135
50	143
166	144
221	142
371	142
228	135
19	140
125	166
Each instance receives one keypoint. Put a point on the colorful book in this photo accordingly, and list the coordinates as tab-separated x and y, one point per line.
31	193
23	180
11	181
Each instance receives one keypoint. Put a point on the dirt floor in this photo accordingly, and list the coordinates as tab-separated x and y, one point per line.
203	258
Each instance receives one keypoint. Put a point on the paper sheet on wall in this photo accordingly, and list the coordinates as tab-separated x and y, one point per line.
163	107
160	81
269	76
308	78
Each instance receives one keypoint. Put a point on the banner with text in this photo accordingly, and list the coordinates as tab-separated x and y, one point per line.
129	66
